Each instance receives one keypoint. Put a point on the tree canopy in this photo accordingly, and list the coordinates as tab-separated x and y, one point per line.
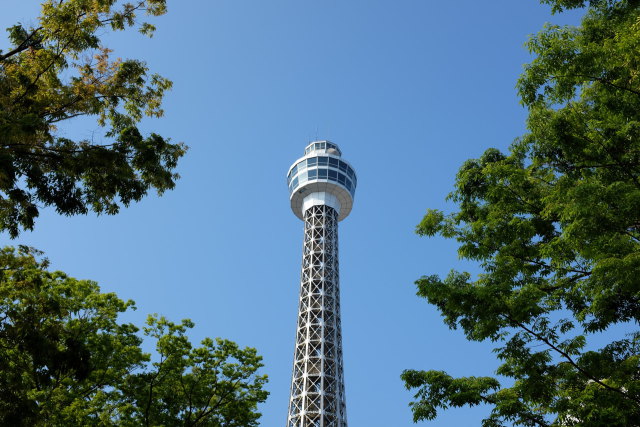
65	359
554	224
58	70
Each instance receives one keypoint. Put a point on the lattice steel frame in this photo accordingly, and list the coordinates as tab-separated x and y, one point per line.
317	385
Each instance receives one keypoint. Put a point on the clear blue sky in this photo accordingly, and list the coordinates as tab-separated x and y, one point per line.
408	89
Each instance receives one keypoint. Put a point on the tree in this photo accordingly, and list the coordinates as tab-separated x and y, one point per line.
58	70
555	226
66	360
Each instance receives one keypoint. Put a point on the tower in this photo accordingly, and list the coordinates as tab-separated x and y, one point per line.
321	190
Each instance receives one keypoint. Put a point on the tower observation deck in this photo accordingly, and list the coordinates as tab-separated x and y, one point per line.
321	190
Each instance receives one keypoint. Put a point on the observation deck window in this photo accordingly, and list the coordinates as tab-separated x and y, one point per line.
321	146
350	172
322	168
302	165
322	161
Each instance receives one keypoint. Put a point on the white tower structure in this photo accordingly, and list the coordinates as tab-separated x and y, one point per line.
321	189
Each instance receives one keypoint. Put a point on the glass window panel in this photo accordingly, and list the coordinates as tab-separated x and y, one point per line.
311	161
302	177
333	174
323	161
313	174
341	179
348	185
294	182
350	172
343	166
293	170
322	173
333	162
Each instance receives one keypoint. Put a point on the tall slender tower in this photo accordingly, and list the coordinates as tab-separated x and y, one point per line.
321	189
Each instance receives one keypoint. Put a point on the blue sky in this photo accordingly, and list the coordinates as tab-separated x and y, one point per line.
408	89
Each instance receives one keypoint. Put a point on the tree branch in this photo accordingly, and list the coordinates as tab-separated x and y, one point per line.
568	358
524	415
605	82
22	46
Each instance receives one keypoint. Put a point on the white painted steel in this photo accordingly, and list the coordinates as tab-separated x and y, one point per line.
341	193
319	199
317	396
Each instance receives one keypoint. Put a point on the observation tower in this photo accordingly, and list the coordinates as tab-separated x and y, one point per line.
321	190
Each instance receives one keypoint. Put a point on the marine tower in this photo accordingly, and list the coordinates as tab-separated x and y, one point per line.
321	190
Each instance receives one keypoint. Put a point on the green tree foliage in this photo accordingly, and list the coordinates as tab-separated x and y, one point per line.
65	360
55	71
555	225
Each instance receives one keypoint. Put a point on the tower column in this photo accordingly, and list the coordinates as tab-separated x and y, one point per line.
322	186
317	386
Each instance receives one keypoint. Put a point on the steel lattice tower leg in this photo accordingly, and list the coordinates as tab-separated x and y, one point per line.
317	385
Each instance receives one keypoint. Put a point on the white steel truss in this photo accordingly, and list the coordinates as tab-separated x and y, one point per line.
317	385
